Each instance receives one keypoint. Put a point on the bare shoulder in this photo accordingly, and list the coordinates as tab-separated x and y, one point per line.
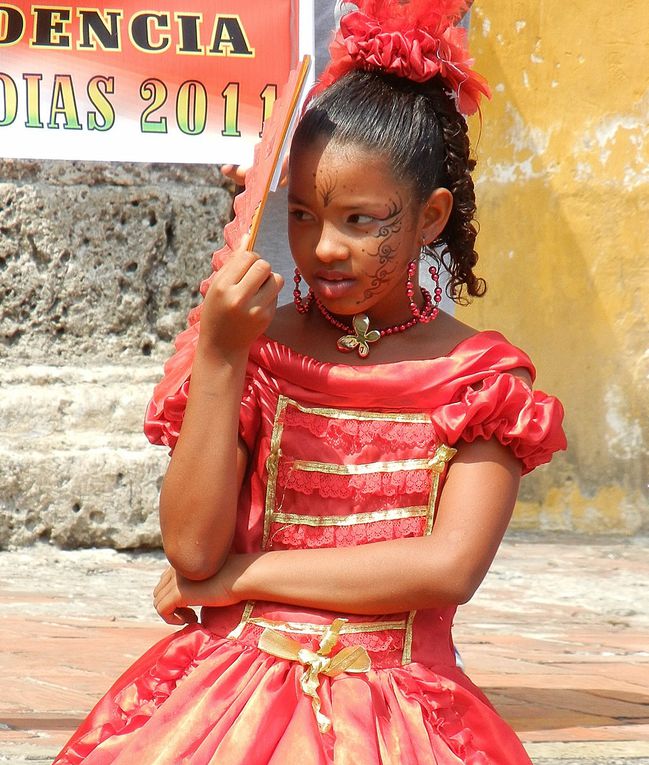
283	314
311	336
292	329
282	328
447	332
454	329
451	332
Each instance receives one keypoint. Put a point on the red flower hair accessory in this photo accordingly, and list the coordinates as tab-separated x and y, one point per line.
415	39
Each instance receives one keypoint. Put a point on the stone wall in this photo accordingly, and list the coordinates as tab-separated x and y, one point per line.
99	265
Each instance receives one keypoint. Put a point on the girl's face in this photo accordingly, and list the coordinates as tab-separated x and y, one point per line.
353	229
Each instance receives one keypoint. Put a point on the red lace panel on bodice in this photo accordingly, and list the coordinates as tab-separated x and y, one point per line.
345	477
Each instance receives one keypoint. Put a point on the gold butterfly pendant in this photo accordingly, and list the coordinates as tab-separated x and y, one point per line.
362	337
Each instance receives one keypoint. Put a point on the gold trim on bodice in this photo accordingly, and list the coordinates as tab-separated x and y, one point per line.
392	466
307	628
354	519
273	514
358	414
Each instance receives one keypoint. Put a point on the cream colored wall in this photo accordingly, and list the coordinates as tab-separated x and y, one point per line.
563	194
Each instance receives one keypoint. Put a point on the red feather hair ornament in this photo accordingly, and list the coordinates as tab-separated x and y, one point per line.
414	39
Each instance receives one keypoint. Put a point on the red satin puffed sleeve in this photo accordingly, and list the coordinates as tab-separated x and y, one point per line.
162	422
163	427
504	407
164	413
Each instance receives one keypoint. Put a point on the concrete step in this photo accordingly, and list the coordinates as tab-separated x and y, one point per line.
81	498
72	441
77	470
39	400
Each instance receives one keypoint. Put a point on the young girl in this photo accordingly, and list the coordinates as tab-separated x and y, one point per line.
345	472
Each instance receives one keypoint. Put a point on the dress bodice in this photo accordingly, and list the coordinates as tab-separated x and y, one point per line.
328	477
346	455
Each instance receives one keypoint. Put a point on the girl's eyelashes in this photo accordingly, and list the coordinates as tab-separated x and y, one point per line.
300	215
361	220
353	219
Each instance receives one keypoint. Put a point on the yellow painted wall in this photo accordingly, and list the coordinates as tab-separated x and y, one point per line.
563	195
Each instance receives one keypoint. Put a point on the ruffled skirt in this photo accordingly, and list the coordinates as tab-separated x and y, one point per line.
199	698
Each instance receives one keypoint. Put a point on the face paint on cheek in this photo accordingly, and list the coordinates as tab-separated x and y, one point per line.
385	254
388	247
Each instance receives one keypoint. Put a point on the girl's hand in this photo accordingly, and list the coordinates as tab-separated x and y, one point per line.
238	173
235	173
240	303
174	594
168	600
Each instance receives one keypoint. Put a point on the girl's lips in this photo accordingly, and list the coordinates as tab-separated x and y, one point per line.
333	286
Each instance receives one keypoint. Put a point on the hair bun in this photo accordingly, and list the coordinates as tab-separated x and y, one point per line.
416	40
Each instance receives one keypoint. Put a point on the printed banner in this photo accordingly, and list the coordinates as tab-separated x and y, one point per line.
190	81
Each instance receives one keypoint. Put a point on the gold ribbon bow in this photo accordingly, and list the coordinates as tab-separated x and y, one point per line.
316	663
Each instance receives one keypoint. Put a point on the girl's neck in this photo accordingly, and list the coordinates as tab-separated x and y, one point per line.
312	336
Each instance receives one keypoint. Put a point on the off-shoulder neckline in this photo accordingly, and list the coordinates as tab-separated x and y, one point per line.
287	351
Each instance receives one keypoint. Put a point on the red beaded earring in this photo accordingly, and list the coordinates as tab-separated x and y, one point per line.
301	305
437	293
430	309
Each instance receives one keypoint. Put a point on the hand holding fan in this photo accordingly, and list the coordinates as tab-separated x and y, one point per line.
248	209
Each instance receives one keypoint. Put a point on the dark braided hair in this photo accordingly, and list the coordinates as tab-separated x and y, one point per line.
419	131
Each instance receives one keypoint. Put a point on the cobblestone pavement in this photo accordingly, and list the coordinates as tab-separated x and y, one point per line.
558	637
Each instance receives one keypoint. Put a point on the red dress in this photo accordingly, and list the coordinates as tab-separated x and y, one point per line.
340	456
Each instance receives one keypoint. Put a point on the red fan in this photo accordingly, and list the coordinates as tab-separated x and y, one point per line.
248	209
269	153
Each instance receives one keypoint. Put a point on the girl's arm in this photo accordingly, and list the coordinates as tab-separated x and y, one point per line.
199	494
383	577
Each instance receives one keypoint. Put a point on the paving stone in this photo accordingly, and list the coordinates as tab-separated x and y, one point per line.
635	737
635	752
575	689
590	761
